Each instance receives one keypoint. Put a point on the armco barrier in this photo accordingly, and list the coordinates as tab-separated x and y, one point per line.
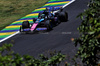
13	28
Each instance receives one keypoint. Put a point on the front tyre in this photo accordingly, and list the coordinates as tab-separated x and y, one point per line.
20	29
25	24
49	25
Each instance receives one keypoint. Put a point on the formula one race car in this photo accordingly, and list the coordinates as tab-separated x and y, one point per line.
45	21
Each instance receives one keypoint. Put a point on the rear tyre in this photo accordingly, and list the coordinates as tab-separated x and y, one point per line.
66	16
63	16
58	21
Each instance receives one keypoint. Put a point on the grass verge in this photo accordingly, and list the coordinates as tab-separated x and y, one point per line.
11	10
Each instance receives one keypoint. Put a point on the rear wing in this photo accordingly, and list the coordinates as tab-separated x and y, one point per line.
54	8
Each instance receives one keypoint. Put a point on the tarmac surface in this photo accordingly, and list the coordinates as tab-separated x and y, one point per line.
58	39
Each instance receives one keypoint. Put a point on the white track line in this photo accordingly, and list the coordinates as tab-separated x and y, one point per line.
19	32
9	36
68	3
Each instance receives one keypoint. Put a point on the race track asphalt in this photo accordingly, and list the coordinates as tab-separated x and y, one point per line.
57	39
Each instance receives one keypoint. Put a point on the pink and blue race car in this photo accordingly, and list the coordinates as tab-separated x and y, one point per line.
45	21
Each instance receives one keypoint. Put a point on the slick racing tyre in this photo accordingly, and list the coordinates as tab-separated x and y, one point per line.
20	29
63	16
66	14
49	25
25	24
58	21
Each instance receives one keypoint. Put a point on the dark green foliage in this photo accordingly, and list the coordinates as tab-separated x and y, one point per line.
89	40
9	58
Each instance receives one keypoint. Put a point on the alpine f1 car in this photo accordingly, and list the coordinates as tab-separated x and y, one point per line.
45	21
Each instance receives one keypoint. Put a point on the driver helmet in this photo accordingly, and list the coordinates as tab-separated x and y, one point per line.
42	15
47	9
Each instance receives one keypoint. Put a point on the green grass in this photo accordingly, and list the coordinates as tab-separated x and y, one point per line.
11	10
